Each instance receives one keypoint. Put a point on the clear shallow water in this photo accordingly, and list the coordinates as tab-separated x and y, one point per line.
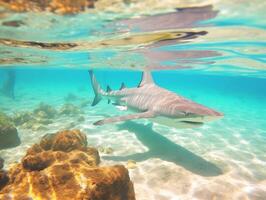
227	74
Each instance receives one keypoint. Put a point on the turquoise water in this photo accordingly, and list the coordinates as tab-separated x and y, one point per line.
224	70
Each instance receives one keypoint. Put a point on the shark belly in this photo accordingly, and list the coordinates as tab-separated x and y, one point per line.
166	121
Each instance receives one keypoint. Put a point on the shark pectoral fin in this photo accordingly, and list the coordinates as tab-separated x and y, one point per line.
147	114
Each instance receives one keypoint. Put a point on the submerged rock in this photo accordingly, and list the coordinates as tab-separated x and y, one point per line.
13	23
8	133
85	103
71	97
21	118
106	150
131	164
63	167
69	109
45	111
3	174
37	119
1	163
3	179
64	141
81	119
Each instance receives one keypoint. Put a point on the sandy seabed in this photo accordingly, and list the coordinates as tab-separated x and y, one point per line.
171	163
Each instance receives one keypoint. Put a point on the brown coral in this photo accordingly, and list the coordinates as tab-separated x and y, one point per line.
62	167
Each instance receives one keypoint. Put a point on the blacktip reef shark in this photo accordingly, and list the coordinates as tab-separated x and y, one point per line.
149	101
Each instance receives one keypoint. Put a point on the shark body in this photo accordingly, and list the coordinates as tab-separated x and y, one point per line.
152	102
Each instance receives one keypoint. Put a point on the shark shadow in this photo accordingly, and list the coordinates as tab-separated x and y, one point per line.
162	148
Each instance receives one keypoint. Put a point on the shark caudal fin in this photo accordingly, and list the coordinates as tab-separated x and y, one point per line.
96	88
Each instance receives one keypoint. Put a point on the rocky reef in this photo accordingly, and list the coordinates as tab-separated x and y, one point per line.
62	166
8	133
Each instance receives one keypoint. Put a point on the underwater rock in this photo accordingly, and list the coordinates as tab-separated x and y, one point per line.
45	111
44	121
22	118
13	23
131	164
1	163
71	97
8	133
81	119
106	150
37	119
71	125
64	141
69	109
56	172
57	6
109	150
38	127
85	103
3	179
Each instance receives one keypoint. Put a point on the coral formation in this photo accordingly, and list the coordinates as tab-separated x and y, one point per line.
8	133
61	166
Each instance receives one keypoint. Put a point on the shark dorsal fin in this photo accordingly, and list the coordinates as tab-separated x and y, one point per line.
146	78
108	89
122	86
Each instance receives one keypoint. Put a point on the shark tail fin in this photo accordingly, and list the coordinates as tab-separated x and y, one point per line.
96	88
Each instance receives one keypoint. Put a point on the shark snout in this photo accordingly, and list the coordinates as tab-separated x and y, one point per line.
200	113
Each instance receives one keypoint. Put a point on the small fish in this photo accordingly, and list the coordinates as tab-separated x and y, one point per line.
149	101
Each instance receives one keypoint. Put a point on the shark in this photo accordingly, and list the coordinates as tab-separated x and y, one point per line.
152	102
